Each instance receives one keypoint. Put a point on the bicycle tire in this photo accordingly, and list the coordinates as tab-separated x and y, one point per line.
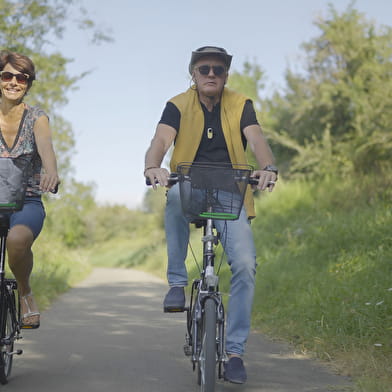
207	360
6	331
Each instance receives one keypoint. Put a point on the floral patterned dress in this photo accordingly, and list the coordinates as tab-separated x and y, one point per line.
24	147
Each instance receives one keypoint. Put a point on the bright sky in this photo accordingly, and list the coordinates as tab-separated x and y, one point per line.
115	111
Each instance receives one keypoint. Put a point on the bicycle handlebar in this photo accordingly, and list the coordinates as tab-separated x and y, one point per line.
173	179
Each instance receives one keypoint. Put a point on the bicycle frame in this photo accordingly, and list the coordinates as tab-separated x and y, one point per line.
207	287
9	309
208	192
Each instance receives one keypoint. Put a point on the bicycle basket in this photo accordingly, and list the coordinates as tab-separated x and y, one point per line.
13	183
213	191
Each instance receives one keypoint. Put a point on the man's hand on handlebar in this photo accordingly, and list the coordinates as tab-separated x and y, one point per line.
157	175
267	179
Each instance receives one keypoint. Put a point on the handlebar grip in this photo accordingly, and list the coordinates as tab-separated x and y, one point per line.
173	179
55	190
255	181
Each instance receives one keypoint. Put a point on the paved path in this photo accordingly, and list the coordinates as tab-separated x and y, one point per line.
109	334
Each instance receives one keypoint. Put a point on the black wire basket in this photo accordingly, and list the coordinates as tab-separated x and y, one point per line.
13	183
212	191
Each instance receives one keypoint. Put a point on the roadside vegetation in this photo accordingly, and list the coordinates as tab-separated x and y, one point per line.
323	276
324	236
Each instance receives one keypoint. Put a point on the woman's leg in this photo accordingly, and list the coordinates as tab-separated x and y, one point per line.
20	259
25	226
20	256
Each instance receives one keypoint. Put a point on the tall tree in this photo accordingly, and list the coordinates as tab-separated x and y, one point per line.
337	114
31	27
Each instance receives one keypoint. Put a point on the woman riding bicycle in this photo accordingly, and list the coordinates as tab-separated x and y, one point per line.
25	133
210	123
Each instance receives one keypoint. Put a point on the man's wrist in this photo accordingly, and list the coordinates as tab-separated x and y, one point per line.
271	168
150	167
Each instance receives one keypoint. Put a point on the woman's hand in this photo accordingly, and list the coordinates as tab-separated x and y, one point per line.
49	182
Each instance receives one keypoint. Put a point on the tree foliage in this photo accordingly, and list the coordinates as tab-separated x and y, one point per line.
33	27
337	115
250	82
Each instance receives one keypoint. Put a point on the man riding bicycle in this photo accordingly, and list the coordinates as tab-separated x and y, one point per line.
211	123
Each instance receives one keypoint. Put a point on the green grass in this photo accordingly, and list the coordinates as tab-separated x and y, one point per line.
144	248
324	276
56	268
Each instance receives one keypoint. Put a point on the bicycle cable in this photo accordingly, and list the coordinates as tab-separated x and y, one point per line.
223	247
194	256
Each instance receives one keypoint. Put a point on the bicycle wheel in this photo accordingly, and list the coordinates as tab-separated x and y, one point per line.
207	360
7	342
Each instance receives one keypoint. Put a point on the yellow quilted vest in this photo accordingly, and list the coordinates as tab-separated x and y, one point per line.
192	126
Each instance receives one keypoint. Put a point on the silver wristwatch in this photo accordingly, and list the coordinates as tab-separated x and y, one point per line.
271	168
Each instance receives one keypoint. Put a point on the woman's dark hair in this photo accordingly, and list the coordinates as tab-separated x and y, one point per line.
20	62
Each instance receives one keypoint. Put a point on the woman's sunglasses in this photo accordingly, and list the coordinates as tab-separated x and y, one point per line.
218	70
8	76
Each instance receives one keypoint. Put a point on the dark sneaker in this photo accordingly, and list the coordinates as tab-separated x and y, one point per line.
174	300
235	371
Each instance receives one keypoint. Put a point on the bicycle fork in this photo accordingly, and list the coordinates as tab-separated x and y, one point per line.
203	289
193	337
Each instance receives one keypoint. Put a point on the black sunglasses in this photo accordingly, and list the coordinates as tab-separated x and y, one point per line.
8	76
218	70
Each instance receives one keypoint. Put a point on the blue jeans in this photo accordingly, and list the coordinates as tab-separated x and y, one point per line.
237	239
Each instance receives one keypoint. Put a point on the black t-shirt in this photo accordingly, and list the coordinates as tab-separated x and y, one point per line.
212	146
